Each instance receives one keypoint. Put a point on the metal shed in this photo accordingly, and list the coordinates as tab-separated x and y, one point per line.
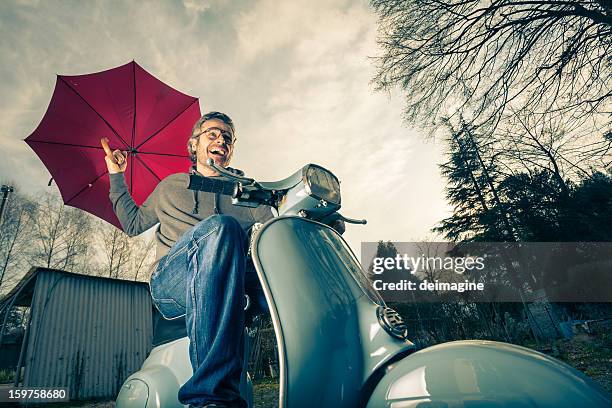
85	333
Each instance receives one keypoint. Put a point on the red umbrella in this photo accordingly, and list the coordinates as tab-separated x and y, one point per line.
137	113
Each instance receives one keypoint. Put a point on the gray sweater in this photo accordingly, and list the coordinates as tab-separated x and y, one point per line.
176	209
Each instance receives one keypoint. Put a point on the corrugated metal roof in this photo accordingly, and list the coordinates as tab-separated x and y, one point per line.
88	334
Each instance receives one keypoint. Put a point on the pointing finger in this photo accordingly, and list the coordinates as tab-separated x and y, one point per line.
106	147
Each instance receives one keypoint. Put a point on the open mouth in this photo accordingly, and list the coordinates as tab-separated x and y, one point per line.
218	152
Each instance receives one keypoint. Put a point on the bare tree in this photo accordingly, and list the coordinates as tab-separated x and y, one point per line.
61	236
15	232
115	246
124	257
143	257
491	61
539	143
432	271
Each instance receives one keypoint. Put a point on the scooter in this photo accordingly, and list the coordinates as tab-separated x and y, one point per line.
339	345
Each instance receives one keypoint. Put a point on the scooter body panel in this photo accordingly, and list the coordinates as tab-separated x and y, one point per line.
484	374
324	314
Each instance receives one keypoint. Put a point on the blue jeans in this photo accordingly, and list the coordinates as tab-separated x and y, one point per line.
204	277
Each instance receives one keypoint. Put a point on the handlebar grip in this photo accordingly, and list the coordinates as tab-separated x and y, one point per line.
211	185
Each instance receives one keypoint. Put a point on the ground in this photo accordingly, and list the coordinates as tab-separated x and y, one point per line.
265	393
589	354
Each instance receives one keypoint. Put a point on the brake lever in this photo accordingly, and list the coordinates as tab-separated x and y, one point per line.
337	216
352	220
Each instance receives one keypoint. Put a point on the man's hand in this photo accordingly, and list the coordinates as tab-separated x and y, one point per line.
339	226
116	161
335	221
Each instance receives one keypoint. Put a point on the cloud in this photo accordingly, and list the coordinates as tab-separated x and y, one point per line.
271	25
196	6
294	76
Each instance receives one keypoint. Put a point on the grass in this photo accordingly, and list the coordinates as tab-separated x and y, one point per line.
590	354
265	393
7	376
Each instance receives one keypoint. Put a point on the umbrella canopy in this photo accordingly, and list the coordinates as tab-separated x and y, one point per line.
137	112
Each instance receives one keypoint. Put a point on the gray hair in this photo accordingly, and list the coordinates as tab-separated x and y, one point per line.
196	130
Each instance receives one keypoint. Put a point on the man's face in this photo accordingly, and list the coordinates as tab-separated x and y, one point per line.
217	148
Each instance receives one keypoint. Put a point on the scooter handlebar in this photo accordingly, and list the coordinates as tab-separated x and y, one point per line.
248	195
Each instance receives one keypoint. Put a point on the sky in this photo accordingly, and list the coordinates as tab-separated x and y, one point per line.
296	78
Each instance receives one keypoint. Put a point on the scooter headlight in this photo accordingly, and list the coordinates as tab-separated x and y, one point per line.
322	184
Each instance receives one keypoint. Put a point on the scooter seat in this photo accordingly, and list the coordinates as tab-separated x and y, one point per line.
165	331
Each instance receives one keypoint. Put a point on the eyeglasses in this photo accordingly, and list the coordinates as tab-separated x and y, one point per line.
213	134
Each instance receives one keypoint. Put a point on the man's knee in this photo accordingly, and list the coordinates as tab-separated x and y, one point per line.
218	237
219	224
224	222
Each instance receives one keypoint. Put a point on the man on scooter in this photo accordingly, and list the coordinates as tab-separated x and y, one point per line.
202	272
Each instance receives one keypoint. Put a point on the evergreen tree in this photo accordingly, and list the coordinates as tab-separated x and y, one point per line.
536	202
479	213
587	215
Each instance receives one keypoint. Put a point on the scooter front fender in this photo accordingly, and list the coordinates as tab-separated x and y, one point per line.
484	373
